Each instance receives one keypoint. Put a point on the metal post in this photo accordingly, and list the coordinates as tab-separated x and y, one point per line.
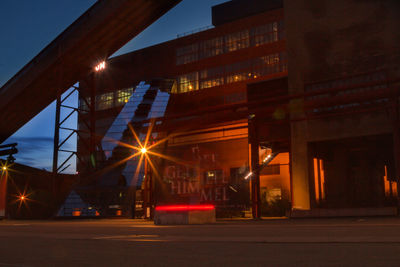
151	192
56	144
396	142
3	193
56	134
255	179
146	193
92	110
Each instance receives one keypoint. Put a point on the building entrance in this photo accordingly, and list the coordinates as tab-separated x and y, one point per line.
275	187
352	173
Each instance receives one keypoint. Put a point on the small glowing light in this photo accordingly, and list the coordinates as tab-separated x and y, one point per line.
267	157
233	189
126	100
143	150
248	175
190	87
4	168
100	66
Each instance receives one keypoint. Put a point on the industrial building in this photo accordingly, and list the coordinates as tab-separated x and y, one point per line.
281	107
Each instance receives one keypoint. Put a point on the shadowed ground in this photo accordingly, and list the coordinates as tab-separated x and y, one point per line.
302	242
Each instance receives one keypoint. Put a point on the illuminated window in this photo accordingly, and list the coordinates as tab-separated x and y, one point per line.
122	96
236	41
256	36
188	82
212	47
105	101
266	33
211	77
390	186
241	71
319	180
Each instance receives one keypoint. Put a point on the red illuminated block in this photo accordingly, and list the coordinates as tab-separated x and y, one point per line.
184	214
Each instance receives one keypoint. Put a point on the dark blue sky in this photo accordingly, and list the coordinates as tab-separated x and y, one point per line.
27	26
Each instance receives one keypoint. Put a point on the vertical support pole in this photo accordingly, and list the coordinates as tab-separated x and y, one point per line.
396	141
148	195
92	111
255	179
151	192
146	189
56	144
3	193
56	134
290	176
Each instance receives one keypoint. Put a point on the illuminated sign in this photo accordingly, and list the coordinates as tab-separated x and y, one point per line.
100	66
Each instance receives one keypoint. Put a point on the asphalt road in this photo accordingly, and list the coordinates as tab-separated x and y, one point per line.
123	242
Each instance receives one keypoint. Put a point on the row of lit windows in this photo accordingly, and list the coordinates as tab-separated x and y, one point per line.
256	36
109	100
237	72
240	71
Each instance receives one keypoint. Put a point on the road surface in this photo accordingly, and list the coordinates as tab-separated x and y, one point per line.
124	242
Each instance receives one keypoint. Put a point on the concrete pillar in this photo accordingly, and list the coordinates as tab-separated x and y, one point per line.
299	154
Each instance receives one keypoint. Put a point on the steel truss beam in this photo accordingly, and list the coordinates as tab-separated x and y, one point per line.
58	144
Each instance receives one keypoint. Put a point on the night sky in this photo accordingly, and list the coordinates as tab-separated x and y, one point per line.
27	26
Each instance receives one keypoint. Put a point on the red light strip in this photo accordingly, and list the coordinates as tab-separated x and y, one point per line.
184	207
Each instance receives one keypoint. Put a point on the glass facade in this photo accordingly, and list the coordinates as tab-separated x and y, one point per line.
109	100
256	36
203	173
204	166
240	71
267	33
211	172
236	41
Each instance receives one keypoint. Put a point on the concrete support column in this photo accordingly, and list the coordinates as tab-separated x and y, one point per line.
396	141
299	154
